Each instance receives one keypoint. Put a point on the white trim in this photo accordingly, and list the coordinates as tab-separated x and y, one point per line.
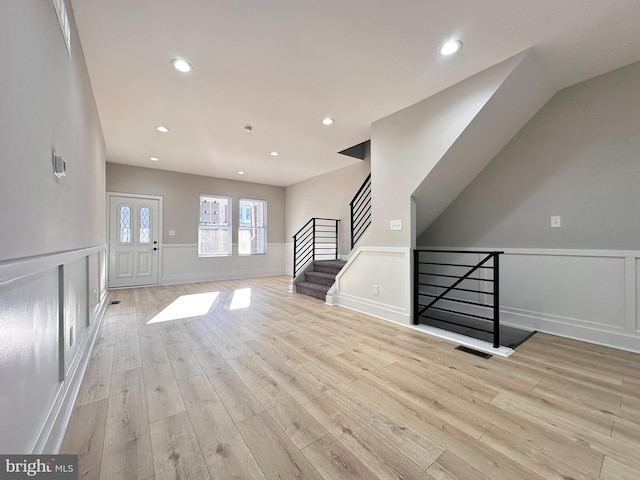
546	252
11	271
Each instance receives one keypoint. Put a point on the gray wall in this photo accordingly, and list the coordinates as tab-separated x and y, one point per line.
577	158
326	196
46	103
181	191
50	303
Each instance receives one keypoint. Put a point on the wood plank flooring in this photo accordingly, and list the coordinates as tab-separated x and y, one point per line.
289	388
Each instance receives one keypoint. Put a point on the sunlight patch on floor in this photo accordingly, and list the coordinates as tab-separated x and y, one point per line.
241	299
186	306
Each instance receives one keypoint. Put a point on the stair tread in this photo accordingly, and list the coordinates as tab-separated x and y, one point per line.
340	263
314	286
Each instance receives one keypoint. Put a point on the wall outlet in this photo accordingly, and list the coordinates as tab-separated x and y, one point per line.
556	222
376	290
172	233
395	225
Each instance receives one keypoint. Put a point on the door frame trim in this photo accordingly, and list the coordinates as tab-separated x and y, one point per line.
160	244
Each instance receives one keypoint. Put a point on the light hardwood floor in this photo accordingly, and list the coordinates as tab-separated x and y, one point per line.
289	388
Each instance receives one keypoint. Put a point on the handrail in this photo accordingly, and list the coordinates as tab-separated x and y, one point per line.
360	207
310	242
494	291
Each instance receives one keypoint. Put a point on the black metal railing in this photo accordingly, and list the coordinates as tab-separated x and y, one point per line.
361	211
317	240
448	291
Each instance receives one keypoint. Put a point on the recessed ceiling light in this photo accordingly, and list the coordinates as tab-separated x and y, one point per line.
240	172
162	129
274	154
451	47
181	65
327	121
154	159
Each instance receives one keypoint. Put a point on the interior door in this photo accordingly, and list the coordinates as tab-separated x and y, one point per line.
133	241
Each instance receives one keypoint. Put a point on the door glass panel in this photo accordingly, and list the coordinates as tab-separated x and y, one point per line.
125	223
145	225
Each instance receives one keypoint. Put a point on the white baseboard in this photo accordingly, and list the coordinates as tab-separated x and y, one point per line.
378	310
590	333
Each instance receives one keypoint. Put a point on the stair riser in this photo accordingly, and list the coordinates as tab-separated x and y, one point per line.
309	277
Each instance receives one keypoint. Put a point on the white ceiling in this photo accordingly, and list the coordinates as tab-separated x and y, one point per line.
283	65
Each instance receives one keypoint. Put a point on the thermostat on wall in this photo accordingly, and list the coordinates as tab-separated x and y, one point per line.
59	166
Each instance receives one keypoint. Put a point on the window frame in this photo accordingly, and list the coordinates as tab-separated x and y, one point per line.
263	227
228	227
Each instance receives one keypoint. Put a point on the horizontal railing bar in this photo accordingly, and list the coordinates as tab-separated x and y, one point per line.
460	251
455	288
455	276
458	324
460	313
468	302
453	265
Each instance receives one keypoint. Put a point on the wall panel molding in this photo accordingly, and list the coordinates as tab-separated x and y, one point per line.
52	307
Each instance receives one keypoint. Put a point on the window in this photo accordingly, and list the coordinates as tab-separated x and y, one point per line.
145	225
124	217
214	231
252	233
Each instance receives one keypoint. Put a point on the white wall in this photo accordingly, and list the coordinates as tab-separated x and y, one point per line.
325	196
180	193
51	303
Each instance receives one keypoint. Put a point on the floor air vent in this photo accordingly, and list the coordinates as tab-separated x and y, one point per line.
473	352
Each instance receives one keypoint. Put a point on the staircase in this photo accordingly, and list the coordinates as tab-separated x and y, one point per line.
317	282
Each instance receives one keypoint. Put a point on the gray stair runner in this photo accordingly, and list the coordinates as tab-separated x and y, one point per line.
317	283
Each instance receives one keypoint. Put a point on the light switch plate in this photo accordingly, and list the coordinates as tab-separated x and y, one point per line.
395	225
172	233
556	222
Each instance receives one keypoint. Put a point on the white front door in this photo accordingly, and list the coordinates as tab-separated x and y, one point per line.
133	241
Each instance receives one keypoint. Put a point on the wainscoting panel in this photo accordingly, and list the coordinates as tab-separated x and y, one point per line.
49	322
589	295
388	269
181	264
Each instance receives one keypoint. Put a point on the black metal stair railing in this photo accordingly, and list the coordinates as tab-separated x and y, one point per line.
361	211
450	283
317	240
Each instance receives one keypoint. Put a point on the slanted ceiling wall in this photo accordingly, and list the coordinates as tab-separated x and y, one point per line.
449	137
577	159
